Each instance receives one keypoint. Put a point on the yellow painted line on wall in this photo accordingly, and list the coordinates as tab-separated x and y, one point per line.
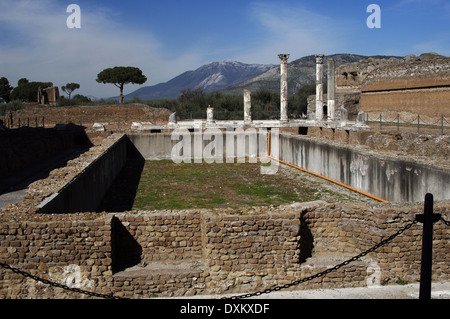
318	175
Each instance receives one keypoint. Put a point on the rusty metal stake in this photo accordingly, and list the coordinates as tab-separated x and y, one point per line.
427	218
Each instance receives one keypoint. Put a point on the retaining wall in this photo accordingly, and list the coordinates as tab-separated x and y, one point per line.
210	144
188	252
242	252
389	178
86	190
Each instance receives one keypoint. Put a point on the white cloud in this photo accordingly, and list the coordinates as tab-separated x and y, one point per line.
40	47
294	30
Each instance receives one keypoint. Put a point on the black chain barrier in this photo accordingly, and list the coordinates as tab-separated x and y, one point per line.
444	221
325	272
276	288
54	284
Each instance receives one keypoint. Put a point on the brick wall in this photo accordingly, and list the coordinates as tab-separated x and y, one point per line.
87	115
204	252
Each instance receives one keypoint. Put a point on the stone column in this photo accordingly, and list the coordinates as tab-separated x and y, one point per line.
319	87
247	106
209	114
284	87
331	90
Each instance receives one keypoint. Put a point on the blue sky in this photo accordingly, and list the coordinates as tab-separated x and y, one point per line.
167	38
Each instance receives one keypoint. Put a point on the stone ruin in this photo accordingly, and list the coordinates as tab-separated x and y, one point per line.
408	86
48	95
325	112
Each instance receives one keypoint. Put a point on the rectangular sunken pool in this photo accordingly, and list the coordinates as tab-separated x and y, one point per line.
159	185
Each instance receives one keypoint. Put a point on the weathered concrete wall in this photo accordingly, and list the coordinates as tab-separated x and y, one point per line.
86	190
389	178
211	144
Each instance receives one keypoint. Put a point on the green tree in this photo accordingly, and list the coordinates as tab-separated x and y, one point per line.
298	103
119	76
26	91
5	90
69	88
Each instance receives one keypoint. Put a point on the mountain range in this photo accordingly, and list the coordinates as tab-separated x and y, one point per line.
231	77
209	77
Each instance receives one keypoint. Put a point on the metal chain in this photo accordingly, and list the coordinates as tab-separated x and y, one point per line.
276	288
54	284
444	221
325	272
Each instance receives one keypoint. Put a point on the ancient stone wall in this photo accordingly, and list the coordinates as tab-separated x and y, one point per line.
74	253
409	86
348	100
112	116
189	252
251	250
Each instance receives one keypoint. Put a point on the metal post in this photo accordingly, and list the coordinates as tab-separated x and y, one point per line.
427	218
398	122
442	125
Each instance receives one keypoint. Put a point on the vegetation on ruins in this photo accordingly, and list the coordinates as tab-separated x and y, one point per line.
10	107
26	91
120	75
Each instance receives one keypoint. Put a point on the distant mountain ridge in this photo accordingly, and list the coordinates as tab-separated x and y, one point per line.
210	77
231	77
300	72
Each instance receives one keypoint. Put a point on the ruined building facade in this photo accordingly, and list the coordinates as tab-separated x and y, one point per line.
409	86
48	95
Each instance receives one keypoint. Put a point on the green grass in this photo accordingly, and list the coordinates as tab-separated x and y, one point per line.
160	185
166	185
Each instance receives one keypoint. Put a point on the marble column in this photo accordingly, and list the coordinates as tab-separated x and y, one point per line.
331	109
319	87
284	87
247	106
210	114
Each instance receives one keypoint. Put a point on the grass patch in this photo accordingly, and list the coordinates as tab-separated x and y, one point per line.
167	185
164	184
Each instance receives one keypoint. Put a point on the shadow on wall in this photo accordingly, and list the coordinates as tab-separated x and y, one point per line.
29	154
126	251
120	196
306	242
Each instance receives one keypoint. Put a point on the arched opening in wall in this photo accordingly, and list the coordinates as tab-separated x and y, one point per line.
126	251
325	110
